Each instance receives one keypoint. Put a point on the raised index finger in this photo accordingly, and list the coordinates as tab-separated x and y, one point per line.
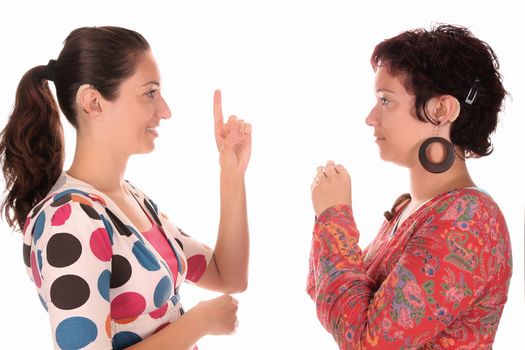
217	108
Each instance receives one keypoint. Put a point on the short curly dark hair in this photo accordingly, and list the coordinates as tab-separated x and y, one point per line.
449	60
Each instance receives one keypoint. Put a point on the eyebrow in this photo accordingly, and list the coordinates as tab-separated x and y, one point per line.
385	90
152	82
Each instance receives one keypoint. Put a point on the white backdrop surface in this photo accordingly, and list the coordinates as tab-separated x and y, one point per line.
299	72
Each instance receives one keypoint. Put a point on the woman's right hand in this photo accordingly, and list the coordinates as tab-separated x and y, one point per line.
219	314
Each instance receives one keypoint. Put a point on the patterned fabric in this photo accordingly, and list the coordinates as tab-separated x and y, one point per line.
440	282
104	285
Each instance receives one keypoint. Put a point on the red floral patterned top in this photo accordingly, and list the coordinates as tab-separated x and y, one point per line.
439	282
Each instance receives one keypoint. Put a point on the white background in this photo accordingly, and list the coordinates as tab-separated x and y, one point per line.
299	72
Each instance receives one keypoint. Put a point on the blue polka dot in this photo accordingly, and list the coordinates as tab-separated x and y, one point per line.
38	229
146	259
75	333
39	259
103	284
66	192
108	227
122	340
42	301
132	229
162	291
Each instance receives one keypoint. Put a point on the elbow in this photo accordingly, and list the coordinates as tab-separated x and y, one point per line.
236	287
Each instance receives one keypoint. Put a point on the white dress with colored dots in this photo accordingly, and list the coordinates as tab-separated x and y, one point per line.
102	283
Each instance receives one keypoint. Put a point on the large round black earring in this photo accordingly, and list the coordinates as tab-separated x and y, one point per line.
437	168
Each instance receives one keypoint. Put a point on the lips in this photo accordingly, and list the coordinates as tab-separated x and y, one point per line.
153	130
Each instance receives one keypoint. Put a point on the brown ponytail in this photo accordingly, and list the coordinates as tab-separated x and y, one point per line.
32	143
31	147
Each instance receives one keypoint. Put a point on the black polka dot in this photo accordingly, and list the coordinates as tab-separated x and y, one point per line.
180	244
120	271
69	292
121	227
181	311
90	211
63	249
62	200
152	212
26	251
183	233
37	209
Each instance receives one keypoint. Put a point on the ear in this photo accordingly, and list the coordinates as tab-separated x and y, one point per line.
89	100
444	109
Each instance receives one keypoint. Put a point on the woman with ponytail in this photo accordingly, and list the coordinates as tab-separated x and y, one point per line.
107	264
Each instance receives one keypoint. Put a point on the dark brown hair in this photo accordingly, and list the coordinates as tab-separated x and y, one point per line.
448	60
32	143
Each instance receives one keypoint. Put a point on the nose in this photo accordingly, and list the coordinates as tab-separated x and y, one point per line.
371	119
164	111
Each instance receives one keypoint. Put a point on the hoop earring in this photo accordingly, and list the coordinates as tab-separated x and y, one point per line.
437	168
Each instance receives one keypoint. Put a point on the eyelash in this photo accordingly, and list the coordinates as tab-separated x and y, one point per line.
384	101
151	93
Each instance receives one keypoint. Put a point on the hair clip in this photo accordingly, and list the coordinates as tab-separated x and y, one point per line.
473	92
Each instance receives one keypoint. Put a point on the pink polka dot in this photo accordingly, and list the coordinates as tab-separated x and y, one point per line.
100	244
28	219
34	270
161	327
196	267
129	304
61	215
161	311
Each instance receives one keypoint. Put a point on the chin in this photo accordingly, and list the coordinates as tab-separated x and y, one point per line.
146	149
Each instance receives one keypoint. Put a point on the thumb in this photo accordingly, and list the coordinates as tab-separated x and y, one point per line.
229	142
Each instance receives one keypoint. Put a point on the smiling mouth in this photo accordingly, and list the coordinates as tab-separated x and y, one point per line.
153	130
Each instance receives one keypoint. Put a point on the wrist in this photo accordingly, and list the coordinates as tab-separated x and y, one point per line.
198	316
232	176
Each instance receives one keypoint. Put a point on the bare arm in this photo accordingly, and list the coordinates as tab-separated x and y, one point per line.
216	316
228	270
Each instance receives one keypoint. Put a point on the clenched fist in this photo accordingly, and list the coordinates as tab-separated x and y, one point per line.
331	186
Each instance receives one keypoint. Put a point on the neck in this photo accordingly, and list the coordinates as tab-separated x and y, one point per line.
96	165
425	185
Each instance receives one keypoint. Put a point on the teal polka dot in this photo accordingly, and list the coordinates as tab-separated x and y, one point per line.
103	284
122	340
38	229
108	227
162	291
39	259
146	259
75	333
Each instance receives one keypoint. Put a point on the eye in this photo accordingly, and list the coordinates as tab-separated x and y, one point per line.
384	101
151	93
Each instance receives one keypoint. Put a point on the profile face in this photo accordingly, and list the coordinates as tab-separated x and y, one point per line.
397	131
134	116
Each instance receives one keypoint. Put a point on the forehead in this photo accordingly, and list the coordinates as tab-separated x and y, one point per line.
386	81
146	71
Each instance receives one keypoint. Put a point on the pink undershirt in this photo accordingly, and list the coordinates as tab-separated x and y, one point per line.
157	239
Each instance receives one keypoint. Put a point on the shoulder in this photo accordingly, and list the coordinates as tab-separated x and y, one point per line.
467	205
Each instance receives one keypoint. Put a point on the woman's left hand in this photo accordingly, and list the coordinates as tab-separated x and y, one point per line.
331	186
234	139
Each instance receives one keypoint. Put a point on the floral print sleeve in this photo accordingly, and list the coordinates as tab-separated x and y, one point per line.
440	283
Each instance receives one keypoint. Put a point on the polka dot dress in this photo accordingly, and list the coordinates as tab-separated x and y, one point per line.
102	283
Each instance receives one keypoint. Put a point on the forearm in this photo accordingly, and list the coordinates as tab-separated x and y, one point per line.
181	334
337	281
232	247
